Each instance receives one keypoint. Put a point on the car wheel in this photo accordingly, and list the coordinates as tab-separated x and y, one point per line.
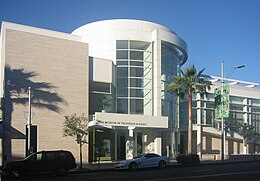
133	166
16	173
61	171
162	164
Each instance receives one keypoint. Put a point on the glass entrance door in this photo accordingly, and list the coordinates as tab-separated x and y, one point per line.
139	144
121	145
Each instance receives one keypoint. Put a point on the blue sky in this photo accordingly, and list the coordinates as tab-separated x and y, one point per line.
214	30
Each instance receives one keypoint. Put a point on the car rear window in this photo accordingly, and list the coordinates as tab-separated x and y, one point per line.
51	156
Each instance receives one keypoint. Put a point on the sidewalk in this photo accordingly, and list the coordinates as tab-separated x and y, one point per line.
109	166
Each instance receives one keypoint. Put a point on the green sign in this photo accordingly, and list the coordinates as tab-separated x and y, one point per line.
219	111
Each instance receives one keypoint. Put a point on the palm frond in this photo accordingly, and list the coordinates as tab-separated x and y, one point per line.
200	72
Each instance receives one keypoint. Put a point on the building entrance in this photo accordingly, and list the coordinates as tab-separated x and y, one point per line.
121	146
109	145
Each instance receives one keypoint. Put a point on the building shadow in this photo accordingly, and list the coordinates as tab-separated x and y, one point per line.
16	86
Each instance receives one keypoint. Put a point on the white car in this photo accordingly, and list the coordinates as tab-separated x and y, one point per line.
143	161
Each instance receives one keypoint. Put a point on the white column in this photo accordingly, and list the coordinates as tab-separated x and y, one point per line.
245	121
130	144
156	74
157	145
199	122
249	111
173	151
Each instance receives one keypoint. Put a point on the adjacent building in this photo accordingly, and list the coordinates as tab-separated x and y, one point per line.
116	73
242	127
55	66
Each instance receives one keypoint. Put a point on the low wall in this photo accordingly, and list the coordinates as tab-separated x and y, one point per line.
244	157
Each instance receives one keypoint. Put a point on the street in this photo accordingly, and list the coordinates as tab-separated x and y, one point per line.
224	172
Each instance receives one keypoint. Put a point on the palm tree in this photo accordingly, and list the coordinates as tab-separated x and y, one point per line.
186	83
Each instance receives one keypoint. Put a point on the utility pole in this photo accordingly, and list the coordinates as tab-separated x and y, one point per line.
29	122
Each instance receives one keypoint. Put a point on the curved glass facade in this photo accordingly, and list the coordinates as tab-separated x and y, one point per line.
134	77
169	63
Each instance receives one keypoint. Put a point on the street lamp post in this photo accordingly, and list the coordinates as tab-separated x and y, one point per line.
223	134
222	117
29	123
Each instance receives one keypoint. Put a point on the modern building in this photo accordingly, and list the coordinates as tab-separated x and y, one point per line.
116	72
132	62
242	127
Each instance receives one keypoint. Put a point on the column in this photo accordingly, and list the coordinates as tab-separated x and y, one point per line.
245	121
157	145
156	74
199	123
130	143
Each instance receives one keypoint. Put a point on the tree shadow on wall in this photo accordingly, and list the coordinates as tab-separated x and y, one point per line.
17	83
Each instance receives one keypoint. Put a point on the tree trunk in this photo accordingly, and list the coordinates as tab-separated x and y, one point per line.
190	122
80	154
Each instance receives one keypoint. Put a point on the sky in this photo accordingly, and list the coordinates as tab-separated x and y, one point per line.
214	30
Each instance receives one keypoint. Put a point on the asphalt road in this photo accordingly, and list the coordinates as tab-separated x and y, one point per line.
221	172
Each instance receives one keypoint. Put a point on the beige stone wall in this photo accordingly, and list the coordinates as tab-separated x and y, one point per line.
57	70
211	147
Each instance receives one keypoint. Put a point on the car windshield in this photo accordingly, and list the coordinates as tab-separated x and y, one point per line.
139	156
29	156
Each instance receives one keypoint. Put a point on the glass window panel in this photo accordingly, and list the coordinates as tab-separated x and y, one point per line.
122	106
236	107
139	45
136	72
104	144
136	82
165	107
236	100
235	116
255	109
136	106
255	102
194	103
210	114
108	103
121	54
99	87
210	105
124	62
210	97
122	44
122	92
122	72
122	83
194	116
137	63
101	102
136	55
136	92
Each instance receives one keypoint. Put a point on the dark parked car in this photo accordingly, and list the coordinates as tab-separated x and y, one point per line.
58	162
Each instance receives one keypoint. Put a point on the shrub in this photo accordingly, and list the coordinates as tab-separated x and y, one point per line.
191	159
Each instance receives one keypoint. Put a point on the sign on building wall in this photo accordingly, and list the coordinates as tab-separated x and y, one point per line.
226	102
128	120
